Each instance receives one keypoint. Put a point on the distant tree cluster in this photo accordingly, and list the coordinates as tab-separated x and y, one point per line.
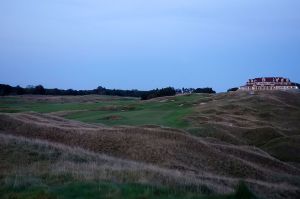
40	90
185	90
233	89
204	90
10	90
144	95
193	90
169	91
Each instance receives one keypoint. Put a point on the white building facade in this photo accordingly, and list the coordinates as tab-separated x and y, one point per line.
269	83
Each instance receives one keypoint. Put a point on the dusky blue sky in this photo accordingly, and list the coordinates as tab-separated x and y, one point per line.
128	44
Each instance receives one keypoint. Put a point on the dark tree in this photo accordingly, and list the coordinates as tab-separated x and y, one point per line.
101	90
204	90
178	91
169	91
19	90
233	89
71	92
5	89
39	90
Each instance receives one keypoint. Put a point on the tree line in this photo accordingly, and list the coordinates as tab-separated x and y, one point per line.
144	95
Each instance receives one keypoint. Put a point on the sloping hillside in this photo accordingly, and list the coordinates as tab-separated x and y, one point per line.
222	139
268	120
166	148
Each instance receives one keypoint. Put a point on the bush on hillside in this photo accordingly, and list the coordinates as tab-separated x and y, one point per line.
169	91
233	89
39	90
5	89
243	192
204	90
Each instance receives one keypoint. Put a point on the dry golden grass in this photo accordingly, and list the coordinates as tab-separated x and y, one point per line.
258	119
60	159
155	155
69	99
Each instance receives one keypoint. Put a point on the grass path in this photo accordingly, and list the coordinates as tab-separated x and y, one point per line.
114	111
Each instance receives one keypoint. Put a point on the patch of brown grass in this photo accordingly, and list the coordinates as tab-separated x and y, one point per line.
69	99
31	158
165	148
254	119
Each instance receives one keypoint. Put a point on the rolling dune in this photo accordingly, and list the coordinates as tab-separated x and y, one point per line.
165	148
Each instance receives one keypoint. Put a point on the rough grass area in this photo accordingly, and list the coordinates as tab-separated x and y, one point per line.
126	146
77	190
156	156
286	148
268	120
35	169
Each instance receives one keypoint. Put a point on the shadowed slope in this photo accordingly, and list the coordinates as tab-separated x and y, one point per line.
167	148
268	120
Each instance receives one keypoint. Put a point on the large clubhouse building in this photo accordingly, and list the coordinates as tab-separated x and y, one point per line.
269	83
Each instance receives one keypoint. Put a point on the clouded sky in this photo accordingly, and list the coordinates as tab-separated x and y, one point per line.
127	44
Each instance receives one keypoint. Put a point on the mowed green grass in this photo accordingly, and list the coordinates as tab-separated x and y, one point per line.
82	190
169	112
